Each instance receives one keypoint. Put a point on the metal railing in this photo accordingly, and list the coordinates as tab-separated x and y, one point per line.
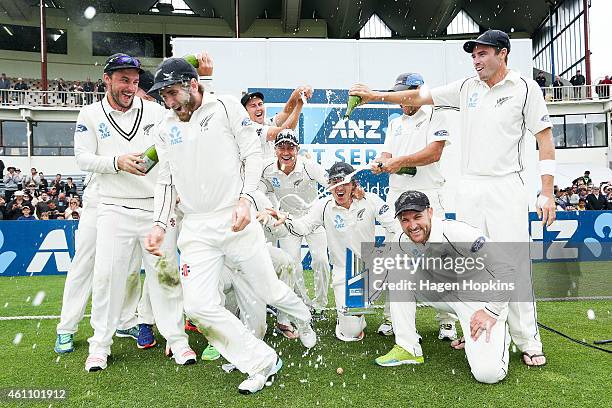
48	98
577	93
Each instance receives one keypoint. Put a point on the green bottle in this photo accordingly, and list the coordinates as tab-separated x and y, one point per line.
352	102
407	171
150	158
192	59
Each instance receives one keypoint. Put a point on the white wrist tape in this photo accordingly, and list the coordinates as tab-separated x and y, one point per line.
548	167
541	201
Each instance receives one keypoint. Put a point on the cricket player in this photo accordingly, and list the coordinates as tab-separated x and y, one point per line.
209	150
295	181
497	107
110	137
288	118
483	322
416	139
348	222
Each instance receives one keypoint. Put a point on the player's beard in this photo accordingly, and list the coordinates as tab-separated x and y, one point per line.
186	104
119	98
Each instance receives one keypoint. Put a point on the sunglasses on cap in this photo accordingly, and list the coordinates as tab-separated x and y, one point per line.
121	62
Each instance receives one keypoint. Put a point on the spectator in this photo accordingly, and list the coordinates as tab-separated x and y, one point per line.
2	208
100	89
26	214
557	93
5	85
62	89
578	82
43	216
60	217
585	179
21	87
10	179
53	192
70	188
52	210
44	184
20	179
1	168
603	89
58	183
77	91
88	88
15	206
596	201
62	203
72	209
573	197
32	192
33	177
541	80
608	191
581	205
42	204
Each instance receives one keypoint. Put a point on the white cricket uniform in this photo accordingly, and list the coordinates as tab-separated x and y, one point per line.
216	144
345	228
267	146
125	213
302	182
488	360
407	135
493	197
77	287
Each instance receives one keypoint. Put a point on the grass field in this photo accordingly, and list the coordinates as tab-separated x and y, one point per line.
575	375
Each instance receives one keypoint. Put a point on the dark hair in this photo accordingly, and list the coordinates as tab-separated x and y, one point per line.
498	50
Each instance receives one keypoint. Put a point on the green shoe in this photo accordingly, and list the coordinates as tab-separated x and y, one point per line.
210	353
132	332
64	343
398	356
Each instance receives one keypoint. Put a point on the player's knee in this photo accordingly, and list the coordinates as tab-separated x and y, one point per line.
488	373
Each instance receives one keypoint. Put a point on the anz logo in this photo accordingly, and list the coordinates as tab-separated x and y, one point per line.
54	244
368	129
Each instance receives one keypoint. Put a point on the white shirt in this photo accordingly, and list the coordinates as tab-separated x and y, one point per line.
302	181
267	146
212	160
409	134
494	120
102	134
346	228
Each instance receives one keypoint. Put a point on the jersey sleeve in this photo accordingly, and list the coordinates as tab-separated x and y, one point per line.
86	148
316	171
535	111
447	95
439	126
384	214
309	222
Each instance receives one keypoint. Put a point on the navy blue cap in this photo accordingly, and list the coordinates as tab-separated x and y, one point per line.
493	38
411	200
286	135
173	71
409	80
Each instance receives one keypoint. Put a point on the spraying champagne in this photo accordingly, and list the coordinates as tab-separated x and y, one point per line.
352	102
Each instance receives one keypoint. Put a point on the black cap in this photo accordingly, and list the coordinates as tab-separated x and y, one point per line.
409	80
286	135
121	61
411	200
250	95
173	71
146	80
339	170
494	38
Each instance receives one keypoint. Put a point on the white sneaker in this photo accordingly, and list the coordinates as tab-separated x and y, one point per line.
95	362
257	381
448	331
308	337
182	357
386	328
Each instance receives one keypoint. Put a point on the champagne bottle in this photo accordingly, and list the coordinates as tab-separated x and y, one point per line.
407	171
150	158
192	59
352	102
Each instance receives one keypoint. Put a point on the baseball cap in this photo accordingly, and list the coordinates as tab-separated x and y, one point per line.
121	61
411	200
494	38
409	80
250	95
172	71
145	80
286	135
339	170
18	193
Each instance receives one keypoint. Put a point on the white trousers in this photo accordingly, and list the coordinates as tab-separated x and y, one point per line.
348	326
498	206
120	238
317	244
488	360
207	243
77	287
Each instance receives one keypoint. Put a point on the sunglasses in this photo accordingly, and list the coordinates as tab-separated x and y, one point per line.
122	60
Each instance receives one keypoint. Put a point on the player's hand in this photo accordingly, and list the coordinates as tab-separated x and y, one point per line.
358	193
154	240
305	90
376	166
205	64
481	322
131	163
241	215
547	209
363	91
280	217
262	217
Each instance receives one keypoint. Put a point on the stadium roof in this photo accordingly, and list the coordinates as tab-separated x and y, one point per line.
405	18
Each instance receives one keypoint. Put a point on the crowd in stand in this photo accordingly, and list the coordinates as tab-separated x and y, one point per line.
584	195
33	197
578	81
75	93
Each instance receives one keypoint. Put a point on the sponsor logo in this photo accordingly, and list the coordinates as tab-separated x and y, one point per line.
502	100
356	292
473	100
185	270
360	214
545	118
54	244
297	183
478	244
7	257
339	222
175	136
204	122
383	209
103	130
359	129
147	128
80	128
441	133
275	182
247	122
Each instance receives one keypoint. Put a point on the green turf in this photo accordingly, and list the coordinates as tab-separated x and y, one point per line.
575	375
